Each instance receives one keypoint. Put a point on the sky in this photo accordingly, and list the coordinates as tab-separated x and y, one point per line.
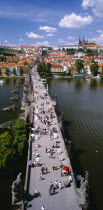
50	22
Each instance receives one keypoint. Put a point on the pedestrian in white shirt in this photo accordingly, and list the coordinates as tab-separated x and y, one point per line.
60	185
56	184
42	208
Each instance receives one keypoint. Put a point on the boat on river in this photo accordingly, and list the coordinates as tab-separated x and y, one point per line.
76	75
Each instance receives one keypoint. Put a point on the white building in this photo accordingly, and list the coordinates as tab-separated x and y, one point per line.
66	47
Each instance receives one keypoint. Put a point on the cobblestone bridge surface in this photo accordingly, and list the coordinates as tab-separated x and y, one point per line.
46	133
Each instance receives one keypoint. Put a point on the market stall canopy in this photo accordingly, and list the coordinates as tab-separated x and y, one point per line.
66	168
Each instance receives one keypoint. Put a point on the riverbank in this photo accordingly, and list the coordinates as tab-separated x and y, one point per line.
12	77
67	197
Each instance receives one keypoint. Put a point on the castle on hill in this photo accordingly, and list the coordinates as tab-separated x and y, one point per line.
83	41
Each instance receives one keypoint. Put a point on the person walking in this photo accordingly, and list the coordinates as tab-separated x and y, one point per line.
51	184
40	176
60	185
46	170
56	184
42	208
46	150
53	166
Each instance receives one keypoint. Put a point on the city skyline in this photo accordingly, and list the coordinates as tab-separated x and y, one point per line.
50	23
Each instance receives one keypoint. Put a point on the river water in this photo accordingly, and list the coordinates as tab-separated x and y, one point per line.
81	102
5	94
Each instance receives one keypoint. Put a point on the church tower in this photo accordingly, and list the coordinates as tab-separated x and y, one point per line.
79	43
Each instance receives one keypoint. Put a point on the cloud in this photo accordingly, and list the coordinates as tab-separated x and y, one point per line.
11	45
46	43
34	36
20	40
26	10
99	39
97	6
71	43
87	3
99	31
75	21
50	35
61	41
71	37
67	43
48	29
6	41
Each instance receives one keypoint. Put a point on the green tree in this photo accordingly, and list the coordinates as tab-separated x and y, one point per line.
19	133
14	71
70	51
90	52
5	158
21	71
5	149
71	68
3	59
80	50
48	67
42	68
63	49
94	69
7	72
26	63
79	65
5	141
21	146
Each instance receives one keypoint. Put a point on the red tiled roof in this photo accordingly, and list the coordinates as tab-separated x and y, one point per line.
100	65
56	66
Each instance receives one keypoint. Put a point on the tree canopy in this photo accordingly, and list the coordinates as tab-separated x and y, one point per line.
19	133
94	69
70	51
90	52
79	65
3	58
14	71
14	142
5	148
44	69
7	72
5	141
26	63
21	71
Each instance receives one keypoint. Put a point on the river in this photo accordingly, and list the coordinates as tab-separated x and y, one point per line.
5	94
81	102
